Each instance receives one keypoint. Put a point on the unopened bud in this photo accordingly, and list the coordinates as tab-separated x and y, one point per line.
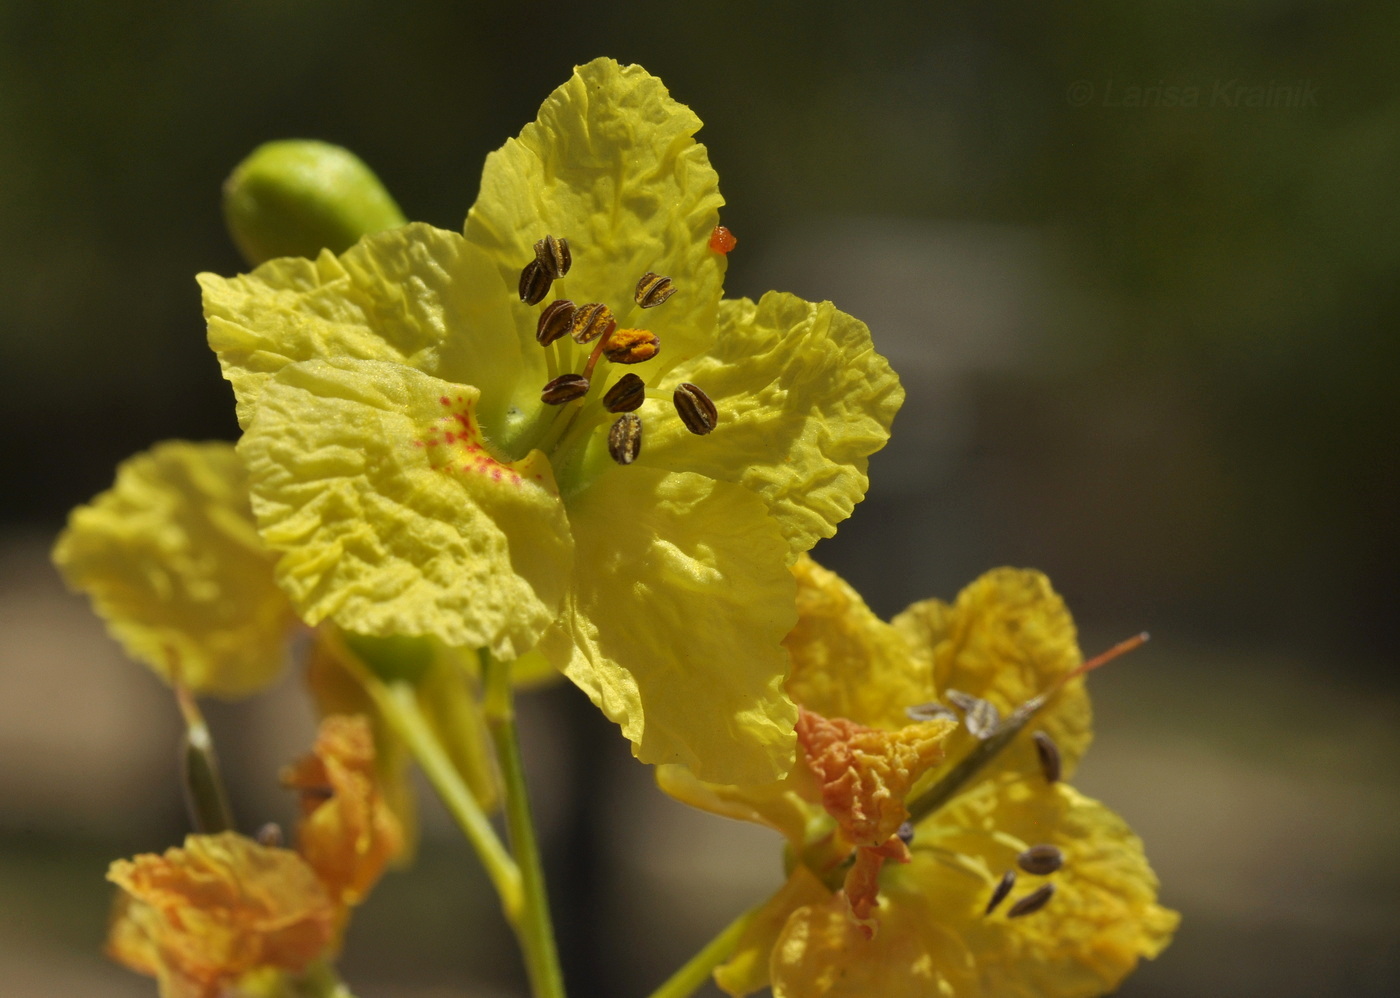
298	197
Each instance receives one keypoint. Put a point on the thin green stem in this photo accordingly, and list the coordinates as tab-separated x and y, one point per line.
205	796
697	970
534	929
400	708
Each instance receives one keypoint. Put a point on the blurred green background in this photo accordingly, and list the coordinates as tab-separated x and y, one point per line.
1150	347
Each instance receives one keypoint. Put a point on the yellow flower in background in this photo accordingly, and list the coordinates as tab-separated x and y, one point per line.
551	430
199	918
1007	882
172	561
347	832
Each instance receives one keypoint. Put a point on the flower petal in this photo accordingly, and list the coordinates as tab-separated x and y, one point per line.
1007	638
782	805
746	970
174	565
417	295
675	620
393	514
1102	918
803	401
611	166
847	662
200	917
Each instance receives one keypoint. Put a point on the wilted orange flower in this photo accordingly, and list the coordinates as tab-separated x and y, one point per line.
199	918
348	832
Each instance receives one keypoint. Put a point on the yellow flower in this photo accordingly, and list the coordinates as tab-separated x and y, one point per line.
1078	909
407	469
172	560
199	918
347	833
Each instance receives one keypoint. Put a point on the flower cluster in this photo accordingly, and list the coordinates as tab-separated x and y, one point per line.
548	444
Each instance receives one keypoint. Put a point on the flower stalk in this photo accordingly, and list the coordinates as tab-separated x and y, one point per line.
696	971
534	928
205	797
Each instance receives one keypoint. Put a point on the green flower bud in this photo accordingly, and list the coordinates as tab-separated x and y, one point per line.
297	197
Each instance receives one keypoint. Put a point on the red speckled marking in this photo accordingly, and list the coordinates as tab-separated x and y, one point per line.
455	446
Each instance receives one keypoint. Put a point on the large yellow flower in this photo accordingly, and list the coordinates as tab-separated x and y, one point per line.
407	467
173	562
1006	882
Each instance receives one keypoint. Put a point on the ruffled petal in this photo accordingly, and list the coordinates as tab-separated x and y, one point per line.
822	953
847	662
1101	920
803	401
417	295
1007	638
611	166
348	833
174	565
747	970
783	805
200	917
674	623
394	516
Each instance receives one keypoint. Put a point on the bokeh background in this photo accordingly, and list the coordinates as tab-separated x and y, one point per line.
1150	347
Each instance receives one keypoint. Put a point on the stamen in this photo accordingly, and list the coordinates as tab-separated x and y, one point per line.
1003	888
627	395
1049	754
564	388
1032	902
625	438
1121	648
1041	860
554	256
981	716
534	283
591	321
931	711
269	835
905	832
556	320
653	290
631	346
696	410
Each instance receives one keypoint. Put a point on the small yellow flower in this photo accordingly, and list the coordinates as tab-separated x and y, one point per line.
1007	882
172	560
417	477
199	918
347	832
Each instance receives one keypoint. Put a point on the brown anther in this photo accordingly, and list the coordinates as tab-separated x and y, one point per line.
631	346
981	716
1041	860
625	438
269	835
534	283
627	395
905	832
1003	888
1049	755
554	256
556	320
564	388
591	321
1033	901
696	410
653	290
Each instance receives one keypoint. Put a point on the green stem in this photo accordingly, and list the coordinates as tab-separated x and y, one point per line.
199	768
697	970
400	708
535	930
